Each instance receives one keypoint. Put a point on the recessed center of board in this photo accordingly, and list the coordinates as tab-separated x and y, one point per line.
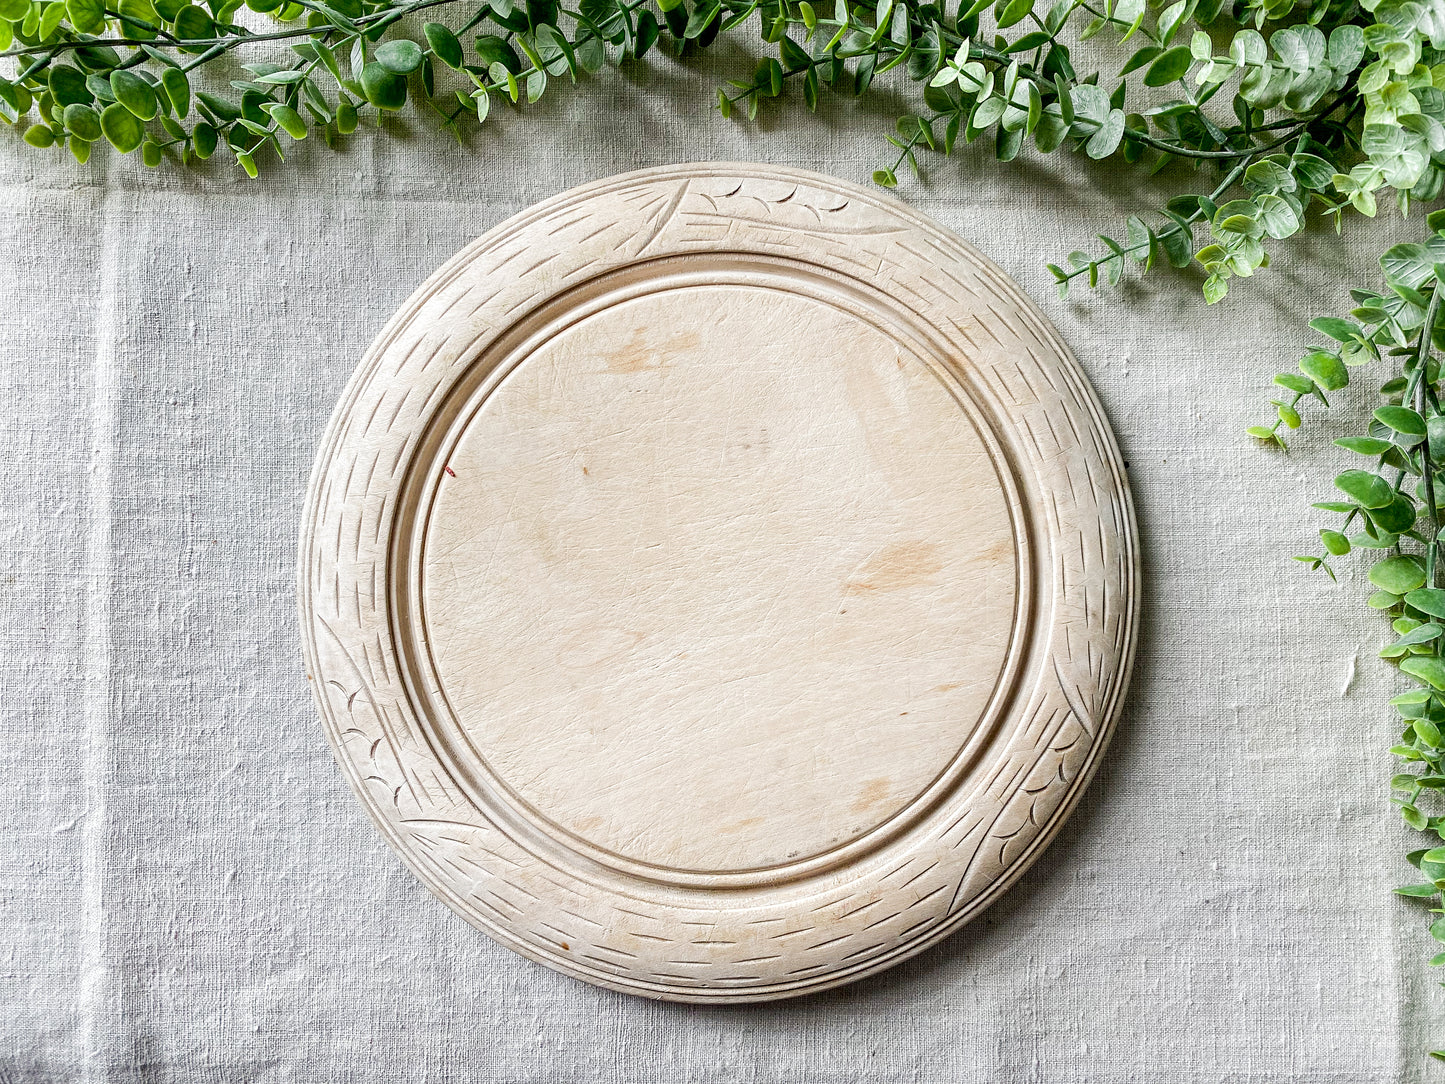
719	578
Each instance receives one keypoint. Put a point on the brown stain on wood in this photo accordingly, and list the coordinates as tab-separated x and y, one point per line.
1003	549
874	792
640	353
903	564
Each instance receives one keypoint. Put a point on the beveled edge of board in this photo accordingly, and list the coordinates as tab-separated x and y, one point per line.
407	833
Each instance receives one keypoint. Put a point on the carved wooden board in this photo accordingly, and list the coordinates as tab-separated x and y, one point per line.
718	583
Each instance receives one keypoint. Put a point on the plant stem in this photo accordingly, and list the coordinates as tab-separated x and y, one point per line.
1422	377
1224	186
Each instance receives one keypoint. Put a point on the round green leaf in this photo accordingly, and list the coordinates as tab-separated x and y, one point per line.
346	118
134	93
1401	420
494	50
97	58
1431	670
150	154
1105	141
192	24
1366	489
289	120
1168	67
384	89
1397	517
444	44
67	86
401	56
38	135
1325	369
178	90
82	121
203	140
1398	575
14	10
122	127
1335	542
87	16
1428	600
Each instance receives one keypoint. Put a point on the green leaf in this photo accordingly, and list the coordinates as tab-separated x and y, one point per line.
82	121
1366	489
121	127
87	16
1421	634
1170	67
193	23
400	56
1395	518
221	109
1428	600
1398	575
1365	445
1401	420
203	140
1326	369
178	90
288	119
39	136
1341	330
134	93
444	44
1417	891
1013	11
1106	140
1429	669
1412	265
494	50
68	86
1335	542
384	88
1313	172
1277	216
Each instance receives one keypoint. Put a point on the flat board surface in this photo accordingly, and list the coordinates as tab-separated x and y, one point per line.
718	583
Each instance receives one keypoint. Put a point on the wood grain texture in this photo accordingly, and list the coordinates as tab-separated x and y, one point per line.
718	583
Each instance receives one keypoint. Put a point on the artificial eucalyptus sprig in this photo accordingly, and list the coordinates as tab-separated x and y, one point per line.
1335	105
1392	508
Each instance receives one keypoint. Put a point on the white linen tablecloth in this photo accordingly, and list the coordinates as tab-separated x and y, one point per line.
191	894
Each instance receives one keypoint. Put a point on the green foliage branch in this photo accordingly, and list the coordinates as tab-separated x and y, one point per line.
1278	108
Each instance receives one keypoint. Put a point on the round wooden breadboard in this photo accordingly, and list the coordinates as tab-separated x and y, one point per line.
718	582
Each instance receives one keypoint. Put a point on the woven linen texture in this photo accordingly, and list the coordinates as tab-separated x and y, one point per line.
190	892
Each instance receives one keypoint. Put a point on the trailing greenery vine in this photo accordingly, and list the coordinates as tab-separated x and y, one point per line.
1275	108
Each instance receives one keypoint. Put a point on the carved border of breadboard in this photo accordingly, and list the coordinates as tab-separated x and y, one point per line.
804	933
